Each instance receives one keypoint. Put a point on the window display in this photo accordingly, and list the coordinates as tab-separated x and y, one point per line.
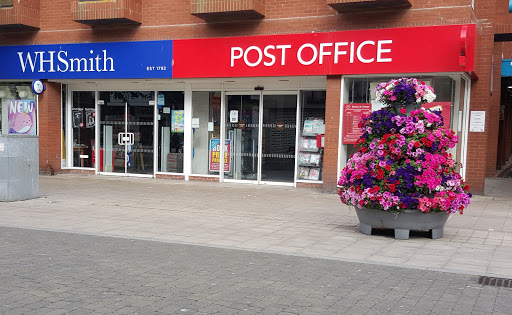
171	124
206	133
18	109
82	121
313	128
359	92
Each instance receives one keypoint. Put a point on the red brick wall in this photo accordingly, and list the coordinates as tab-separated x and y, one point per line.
162	19
204	179
174	21
50	129
213	6
332	123
119	9
502	17
479	148
23	12
179	177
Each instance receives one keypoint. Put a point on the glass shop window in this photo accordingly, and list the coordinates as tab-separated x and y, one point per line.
18	109
83	117
171	122
360	92
311	135
205	131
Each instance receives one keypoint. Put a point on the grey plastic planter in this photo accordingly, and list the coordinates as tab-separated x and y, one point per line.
402	222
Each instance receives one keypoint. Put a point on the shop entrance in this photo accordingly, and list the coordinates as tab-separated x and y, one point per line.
261	133
126	132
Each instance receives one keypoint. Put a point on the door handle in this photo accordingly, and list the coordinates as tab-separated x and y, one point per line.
125	138
120	137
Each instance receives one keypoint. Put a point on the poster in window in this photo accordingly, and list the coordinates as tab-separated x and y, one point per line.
177	123
78	119
214	155
314	174
22	117
303	172
351	119
90	115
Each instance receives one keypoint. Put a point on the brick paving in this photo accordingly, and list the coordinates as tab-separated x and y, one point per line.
273	219
98	245
45	272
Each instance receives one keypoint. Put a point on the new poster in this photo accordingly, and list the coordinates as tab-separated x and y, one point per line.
22	117
214	155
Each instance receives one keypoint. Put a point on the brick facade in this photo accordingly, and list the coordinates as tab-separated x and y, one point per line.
162	20
23	13
332	122
50	129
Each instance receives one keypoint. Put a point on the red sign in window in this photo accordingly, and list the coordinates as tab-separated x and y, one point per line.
351	119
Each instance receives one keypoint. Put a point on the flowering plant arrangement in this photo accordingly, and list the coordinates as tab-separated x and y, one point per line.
402	161
405	91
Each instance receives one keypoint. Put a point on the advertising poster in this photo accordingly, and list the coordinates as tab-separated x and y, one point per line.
78	119
214	155
90	115
177	123
160	101
444	107
351	119
22	117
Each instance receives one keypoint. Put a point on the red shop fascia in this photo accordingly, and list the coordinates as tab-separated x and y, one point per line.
428	49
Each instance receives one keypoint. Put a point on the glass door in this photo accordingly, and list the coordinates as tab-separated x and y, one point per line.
260	137
278	138
126	132
242	136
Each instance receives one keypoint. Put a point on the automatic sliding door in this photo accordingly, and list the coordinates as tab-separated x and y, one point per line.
242	134
278	138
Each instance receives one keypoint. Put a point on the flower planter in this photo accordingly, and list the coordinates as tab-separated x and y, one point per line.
402	223
403	160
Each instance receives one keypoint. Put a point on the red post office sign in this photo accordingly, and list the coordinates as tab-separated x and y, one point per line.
333	53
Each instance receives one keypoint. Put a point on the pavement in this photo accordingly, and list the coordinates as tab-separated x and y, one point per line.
120	245
44	272
272	219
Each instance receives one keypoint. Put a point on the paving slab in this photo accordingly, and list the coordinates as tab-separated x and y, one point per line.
274	219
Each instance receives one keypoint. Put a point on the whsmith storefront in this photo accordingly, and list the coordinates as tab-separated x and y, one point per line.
279	109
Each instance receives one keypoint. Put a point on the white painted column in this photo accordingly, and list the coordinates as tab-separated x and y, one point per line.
187	145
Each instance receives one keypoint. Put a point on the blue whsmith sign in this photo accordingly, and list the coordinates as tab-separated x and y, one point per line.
120	60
